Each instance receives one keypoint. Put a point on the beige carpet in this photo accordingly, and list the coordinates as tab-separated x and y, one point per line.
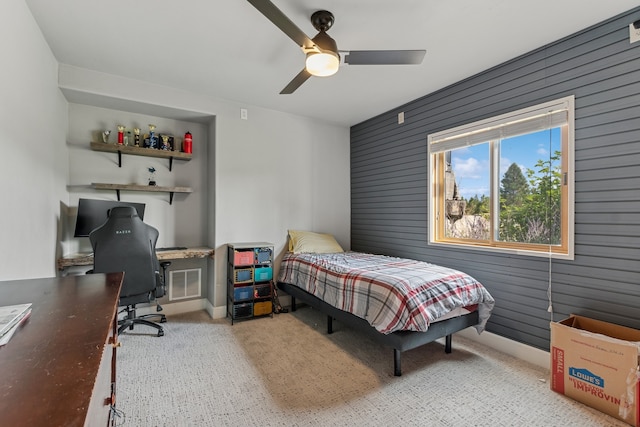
286	371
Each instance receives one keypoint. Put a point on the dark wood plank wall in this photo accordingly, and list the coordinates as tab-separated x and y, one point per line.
389	181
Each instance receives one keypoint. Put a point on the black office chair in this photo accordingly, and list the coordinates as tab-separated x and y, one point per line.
125	243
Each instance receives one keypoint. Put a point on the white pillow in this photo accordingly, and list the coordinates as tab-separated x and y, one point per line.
310	242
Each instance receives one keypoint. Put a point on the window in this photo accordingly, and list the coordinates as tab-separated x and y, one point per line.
506	183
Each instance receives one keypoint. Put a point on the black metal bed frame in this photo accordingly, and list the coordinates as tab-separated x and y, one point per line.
400	341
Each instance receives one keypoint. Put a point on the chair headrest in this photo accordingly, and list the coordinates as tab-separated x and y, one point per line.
123	212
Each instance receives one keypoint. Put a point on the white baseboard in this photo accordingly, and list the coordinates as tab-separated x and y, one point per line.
217	312
505	345
175	307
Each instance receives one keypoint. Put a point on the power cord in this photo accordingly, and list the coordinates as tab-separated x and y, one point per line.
118	416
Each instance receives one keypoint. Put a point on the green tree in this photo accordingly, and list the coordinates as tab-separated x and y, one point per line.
478	206
514	187
544	203
530	211
514	193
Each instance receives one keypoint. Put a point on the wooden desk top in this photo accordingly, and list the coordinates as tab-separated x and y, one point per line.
49	367
87	258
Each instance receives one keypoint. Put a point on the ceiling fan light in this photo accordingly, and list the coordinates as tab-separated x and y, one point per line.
322	64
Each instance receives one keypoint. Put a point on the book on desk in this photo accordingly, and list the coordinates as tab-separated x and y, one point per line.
11	318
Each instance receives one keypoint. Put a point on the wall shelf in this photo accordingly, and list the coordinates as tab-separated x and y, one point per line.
138	187
140	151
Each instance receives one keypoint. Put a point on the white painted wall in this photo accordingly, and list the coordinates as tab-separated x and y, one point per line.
263	175
33	123
276	172
182	222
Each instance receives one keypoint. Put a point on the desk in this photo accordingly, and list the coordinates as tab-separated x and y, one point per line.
84	259
59	368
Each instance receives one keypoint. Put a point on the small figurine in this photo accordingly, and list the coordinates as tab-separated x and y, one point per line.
152	178
105	136
136	136
165	142
153	139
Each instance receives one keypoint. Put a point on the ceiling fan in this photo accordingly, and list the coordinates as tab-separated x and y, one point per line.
322	55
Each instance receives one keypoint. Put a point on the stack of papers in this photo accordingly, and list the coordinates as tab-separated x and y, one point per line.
11	317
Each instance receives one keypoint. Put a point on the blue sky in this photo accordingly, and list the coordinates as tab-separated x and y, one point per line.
471	164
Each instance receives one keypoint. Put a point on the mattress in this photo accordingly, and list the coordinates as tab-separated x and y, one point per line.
392	294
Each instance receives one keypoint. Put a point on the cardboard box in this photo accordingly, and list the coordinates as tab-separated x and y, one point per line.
596	363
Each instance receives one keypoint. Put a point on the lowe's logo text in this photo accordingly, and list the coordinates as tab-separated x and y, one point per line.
586	376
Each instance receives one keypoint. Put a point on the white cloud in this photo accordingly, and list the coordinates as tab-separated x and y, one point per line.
472	176
505	164
470	168
469	192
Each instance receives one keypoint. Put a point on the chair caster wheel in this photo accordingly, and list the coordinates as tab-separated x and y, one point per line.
160	333
163	320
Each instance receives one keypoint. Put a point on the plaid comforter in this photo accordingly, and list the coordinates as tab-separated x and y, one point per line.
392	294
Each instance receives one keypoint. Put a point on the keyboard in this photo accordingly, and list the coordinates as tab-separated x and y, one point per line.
171	248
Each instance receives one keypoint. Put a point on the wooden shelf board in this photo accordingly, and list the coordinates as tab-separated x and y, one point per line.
140	151
139	187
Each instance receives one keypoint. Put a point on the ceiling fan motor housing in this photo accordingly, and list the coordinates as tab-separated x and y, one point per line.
325	42
322	20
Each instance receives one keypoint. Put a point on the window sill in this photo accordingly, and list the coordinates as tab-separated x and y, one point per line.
505	251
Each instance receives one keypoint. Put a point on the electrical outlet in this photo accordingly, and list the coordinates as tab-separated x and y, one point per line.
401	117
244	114
634	34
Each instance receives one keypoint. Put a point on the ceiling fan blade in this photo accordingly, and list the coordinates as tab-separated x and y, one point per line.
296	82
384	57
275	15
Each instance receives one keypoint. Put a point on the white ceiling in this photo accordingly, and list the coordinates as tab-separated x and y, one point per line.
227	49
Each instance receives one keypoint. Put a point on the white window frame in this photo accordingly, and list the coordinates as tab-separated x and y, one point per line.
554	112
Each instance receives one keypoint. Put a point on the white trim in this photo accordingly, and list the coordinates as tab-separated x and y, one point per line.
505	345
173	308
218	312
447	140
545	254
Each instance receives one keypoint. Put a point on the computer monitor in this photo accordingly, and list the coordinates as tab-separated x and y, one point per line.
93	213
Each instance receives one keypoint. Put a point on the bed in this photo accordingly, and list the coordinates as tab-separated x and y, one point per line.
398	302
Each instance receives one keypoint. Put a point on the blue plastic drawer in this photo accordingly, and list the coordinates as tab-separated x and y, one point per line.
262	274
243	293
